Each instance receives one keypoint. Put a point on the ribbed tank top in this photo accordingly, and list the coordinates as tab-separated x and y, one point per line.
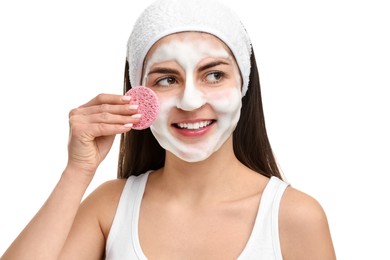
263	244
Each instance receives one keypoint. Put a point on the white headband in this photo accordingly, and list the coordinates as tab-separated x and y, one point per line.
165	17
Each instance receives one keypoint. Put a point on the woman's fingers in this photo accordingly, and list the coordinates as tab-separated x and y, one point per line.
105	117
103	124
107	99
122	109
106	109
92	131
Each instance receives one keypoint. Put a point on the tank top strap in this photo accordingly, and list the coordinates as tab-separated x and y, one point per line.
122	242
264	243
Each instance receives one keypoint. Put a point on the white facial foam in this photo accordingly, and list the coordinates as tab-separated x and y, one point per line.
225	101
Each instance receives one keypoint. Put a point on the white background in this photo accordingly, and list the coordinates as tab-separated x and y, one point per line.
324	68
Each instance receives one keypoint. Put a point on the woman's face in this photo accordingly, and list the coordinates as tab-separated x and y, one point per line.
199	87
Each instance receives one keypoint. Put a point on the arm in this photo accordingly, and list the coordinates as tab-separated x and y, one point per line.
303	228
88	236
93	127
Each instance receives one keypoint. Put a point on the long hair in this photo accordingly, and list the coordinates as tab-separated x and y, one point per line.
139	150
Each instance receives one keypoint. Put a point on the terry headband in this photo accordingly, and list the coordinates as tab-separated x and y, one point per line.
165	17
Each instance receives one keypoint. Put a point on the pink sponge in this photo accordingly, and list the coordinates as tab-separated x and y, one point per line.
149	105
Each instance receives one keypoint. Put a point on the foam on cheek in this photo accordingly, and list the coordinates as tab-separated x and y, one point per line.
226	103
227	106
160	127
161	131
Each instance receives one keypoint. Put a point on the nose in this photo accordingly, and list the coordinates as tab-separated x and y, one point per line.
192	98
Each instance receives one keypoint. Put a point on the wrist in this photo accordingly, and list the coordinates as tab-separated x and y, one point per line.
77	174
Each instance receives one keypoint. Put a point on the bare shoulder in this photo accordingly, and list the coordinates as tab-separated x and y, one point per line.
303	228
104	201
109	190
86	239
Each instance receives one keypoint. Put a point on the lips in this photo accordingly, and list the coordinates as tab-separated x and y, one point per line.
194	128
194	125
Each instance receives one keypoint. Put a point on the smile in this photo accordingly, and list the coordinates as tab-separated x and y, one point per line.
195	125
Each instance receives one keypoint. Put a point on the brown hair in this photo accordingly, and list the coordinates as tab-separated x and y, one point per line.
139	150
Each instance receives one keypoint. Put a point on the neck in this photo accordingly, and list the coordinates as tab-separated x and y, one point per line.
209	179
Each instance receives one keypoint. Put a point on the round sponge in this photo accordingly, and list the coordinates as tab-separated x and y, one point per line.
148	103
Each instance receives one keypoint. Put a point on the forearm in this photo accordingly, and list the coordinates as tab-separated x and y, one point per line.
45	235
93	127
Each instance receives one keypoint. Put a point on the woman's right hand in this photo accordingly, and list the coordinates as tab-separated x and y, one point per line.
93	127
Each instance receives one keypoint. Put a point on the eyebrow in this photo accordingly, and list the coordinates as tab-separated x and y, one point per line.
162	70
212	64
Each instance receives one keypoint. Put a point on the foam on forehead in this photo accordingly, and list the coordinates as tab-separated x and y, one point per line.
165	17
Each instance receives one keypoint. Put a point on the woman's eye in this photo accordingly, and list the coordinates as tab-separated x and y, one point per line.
214	77
166	82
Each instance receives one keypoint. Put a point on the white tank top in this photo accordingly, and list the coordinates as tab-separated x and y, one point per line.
263	244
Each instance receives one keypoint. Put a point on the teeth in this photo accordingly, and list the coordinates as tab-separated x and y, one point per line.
194	126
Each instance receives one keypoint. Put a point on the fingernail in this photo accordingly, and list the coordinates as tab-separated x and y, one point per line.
129	125
136	116
126	98
133	106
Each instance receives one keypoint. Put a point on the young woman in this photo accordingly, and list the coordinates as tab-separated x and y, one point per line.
202	182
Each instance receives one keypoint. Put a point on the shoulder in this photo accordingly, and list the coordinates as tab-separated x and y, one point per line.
103	202
93	221
108	191
303	227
